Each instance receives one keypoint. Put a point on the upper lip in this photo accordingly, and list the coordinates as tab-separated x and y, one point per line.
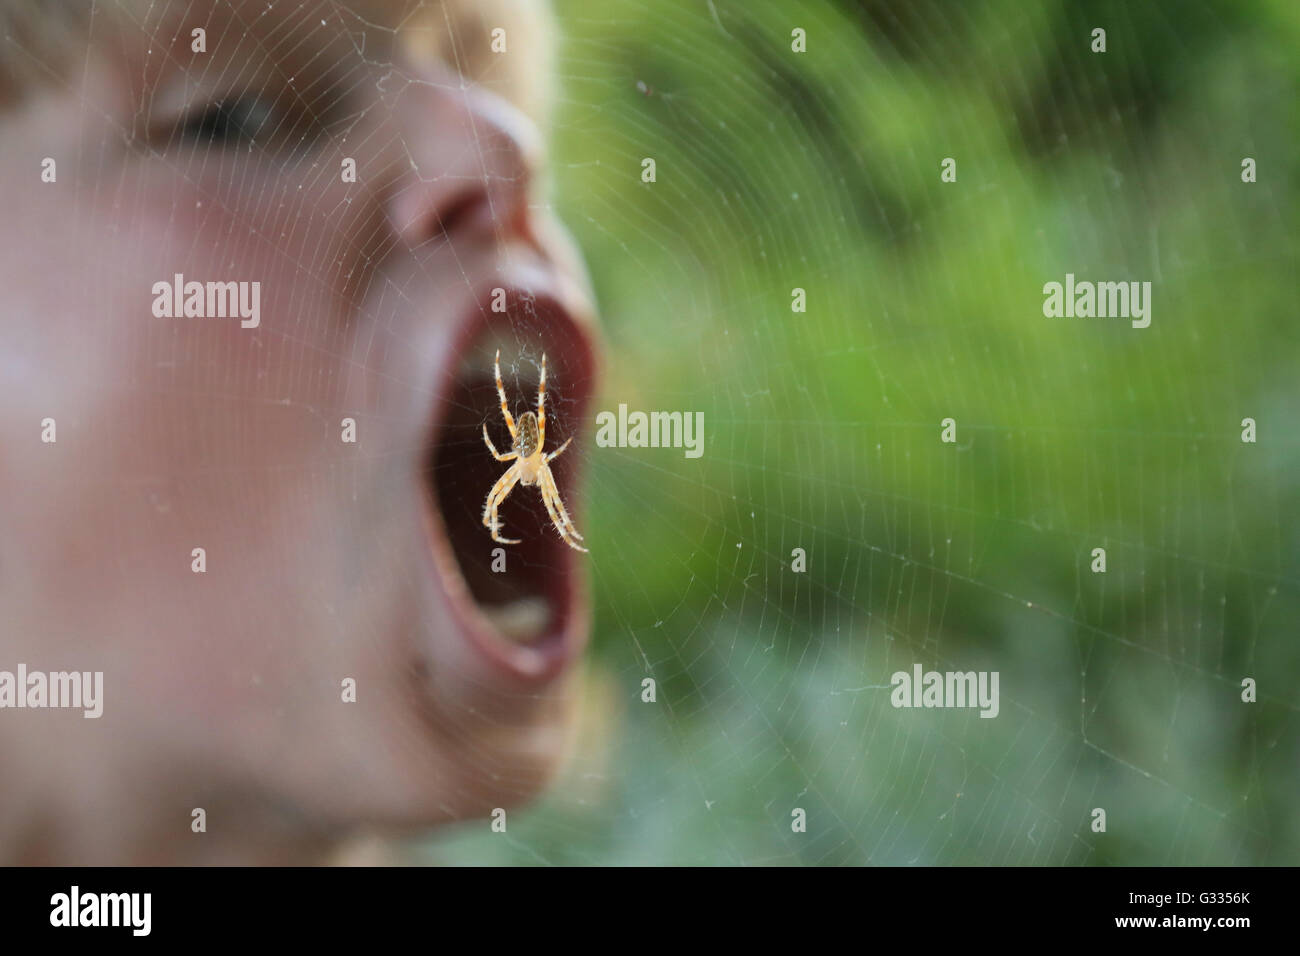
561	324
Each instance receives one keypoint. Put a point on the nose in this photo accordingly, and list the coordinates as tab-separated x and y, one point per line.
470	161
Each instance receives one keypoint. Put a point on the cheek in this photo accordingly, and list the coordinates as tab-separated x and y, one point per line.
189	432
306	236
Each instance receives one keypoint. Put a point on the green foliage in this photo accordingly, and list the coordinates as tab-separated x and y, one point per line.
821	171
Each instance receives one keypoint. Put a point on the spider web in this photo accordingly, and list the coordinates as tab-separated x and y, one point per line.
778	170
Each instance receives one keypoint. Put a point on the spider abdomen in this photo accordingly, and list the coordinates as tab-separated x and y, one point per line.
527	444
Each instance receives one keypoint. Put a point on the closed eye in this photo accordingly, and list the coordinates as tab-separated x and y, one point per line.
260	117
226	122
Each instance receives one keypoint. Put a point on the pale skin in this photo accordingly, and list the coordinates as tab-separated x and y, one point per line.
325	561
531	465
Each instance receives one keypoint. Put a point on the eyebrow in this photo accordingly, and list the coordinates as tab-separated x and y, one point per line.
246	40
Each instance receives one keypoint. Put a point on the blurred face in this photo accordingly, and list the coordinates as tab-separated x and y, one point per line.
327	564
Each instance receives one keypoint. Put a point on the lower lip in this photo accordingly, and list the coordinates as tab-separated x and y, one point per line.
542	659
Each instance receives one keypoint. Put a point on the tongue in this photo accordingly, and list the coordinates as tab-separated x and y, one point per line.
522	621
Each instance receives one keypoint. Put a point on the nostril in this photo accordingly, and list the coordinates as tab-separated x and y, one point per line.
475	210
459	211
430	211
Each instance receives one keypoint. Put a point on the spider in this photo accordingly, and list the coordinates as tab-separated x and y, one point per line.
530	467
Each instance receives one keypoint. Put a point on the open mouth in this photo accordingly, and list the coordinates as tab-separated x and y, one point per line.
521	603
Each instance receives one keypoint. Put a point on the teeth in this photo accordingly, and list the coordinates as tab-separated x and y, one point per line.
520	622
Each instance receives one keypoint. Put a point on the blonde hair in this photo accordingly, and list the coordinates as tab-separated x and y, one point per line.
40	41
459	32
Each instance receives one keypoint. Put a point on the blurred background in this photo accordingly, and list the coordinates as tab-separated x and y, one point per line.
820	170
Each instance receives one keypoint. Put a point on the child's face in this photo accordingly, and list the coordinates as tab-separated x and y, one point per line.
326	560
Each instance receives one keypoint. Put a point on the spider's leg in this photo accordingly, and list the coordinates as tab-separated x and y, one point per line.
509	456
551	500
496	537
556	454
559	505
491	518
541	406
489	506
501	394
497	495
563	523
